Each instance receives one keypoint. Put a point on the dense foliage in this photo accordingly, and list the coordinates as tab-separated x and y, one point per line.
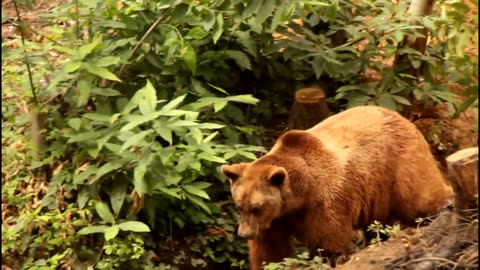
141	101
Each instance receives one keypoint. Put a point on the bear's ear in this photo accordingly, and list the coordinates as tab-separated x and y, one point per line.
277	176
233	172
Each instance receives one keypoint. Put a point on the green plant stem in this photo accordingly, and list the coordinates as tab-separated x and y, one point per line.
29	70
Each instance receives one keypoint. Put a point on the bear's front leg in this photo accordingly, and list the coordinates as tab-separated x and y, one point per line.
269	248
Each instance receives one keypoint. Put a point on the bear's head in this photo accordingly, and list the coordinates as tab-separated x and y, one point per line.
257	190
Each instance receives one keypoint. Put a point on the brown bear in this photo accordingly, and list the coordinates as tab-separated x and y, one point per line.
322	184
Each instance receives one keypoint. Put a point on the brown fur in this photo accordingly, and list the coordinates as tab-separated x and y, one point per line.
320	185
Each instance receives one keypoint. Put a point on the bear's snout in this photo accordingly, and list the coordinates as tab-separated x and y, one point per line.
246	231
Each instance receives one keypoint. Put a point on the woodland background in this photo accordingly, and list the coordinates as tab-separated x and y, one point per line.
116	115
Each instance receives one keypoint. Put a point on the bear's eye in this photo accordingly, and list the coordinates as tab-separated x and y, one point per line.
256	210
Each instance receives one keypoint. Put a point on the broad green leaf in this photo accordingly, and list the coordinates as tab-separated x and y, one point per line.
196	191
134	226
101	72
209	126
210	157
107	61
200	185
135	139
386	100
244	38
182	123
251	8
265	10
218	28
85	50
248	99
401	100
240	58
75	123
98	117
104	212
149	102
108	92
81	177
164	132
93	229
248	155
196	33
173	103
85	136
117	194
72	66
199	202
277	16
180	12
135	120
106	168
465	105
169	191
111	232
84	87
190	58
83	197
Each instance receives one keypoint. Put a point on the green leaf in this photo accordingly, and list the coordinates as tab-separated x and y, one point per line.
240	58
84	87
197	33
93	229
210	157
196	191
117	195
386	100
72	66
164	132
107	92
98	117
218	88
277	16
248	99
101	72
401	100
134	226
85	136
201	185
244	38
83	197
135	120
251	8
135	139
107	61
199	202
173	104
85	50
465	105
265	10
219	105
111	232
75	123
170	192
210	137
104	212
108	167
218	28
190	58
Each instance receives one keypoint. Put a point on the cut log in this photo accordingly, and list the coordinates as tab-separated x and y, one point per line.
463	176
309	108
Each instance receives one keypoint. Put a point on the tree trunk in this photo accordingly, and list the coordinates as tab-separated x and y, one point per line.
308	109
463	176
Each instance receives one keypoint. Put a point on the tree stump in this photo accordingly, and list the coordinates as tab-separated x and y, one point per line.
463	176
309	108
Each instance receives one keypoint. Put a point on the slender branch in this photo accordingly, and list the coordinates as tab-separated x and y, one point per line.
29	70
149	31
